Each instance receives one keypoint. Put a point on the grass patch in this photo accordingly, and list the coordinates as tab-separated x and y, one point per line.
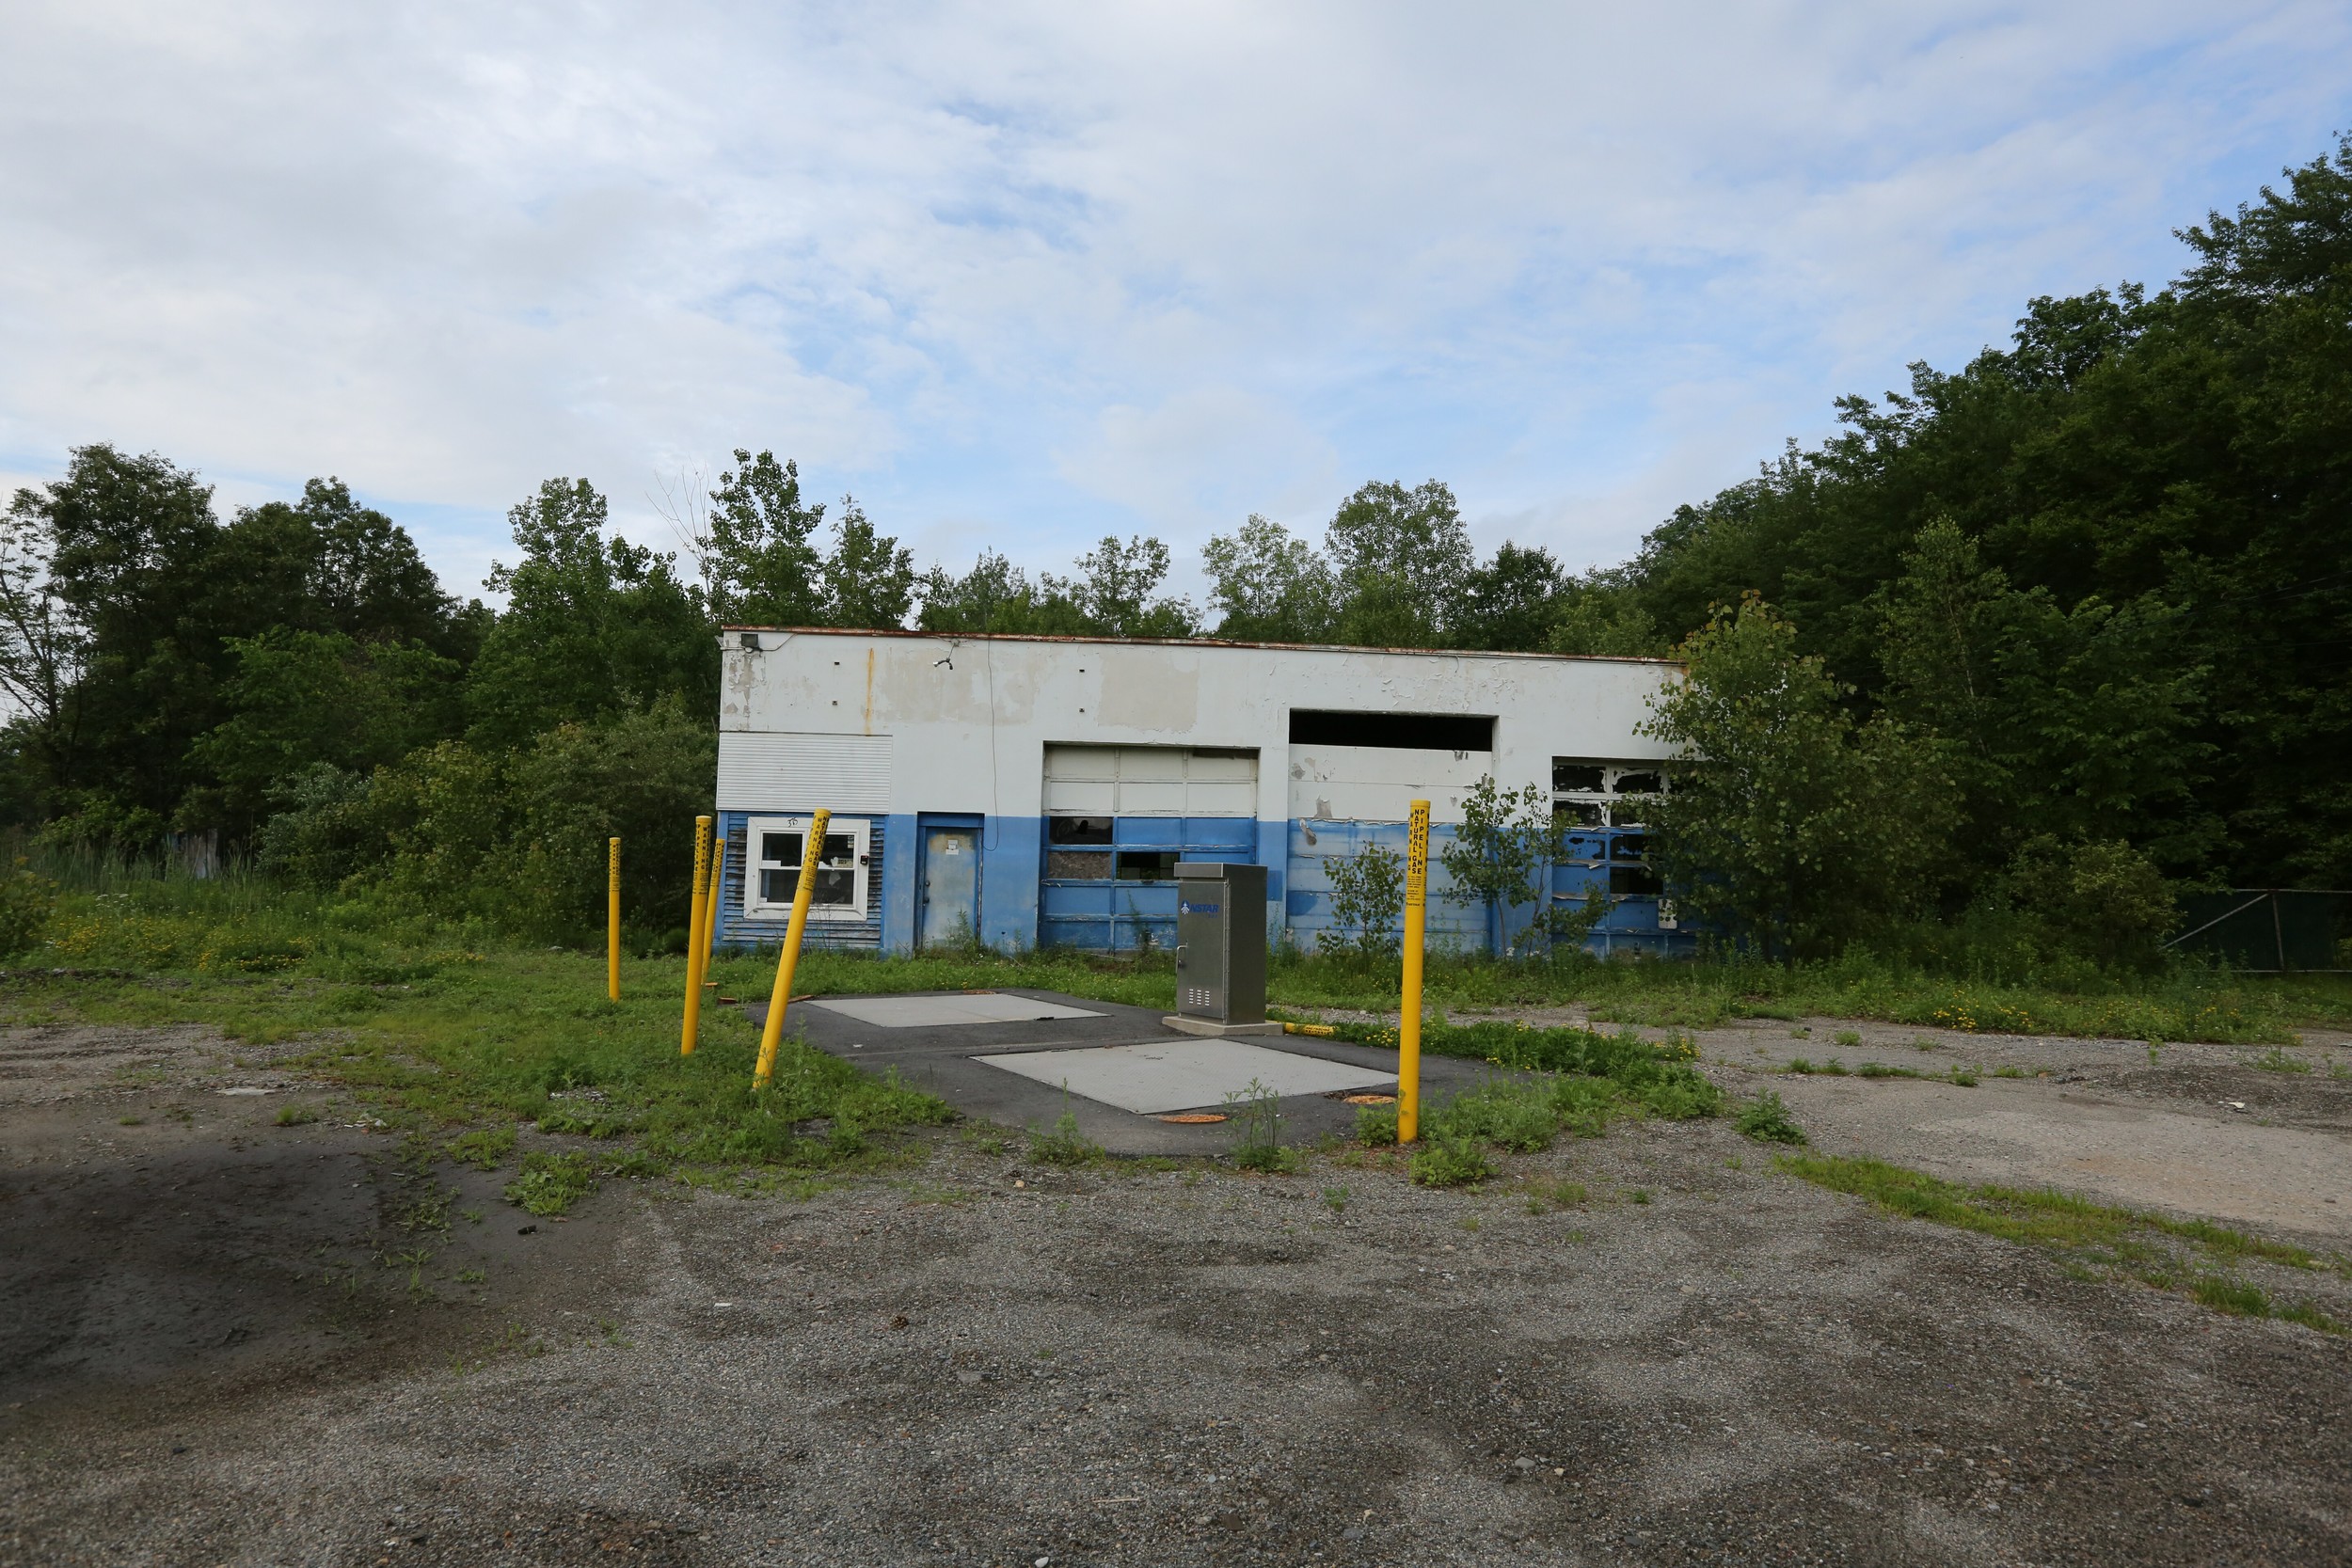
2089	1238
1767	1121
1657	1078
1544	1196
1454	1162
435	1027
484	1148
1065	1145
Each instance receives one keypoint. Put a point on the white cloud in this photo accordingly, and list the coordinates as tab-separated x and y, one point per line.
1028	273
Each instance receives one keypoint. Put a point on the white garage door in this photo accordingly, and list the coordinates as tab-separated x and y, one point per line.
1149	781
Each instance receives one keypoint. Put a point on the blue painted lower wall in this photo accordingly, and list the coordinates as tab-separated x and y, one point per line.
1020	907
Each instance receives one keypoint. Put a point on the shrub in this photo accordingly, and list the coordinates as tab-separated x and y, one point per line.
2102	900
1367	898
1518	1114
324	828
1767	1121
1065	1145
1257	1126
27	899
1453	1161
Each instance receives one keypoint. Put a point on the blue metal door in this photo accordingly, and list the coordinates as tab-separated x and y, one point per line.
949	892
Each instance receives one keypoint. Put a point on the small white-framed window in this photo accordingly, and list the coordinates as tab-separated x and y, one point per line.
773	850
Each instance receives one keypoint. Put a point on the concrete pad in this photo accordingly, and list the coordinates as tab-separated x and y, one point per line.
945	1059
1183	1075
927	1012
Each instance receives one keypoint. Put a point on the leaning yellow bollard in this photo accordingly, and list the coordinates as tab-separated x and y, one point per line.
612	919
812	850
1408	1020
710	905
692	1028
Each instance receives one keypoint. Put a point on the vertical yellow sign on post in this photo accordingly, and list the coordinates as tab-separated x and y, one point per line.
612	919
710	905
1408	1020
812	850
694	944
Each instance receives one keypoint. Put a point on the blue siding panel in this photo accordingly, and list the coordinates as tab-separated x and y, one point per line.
1112	917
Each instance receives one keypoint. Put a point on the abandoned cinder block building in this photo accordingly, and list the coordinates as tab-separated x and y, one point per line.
1037	791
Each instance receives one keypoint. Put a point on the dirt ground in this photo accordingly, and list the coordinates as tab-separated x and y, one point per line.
225	1340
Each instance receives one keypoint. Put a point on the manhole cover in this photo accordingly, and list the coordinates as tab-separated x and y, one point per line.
1369	1099
1195	1118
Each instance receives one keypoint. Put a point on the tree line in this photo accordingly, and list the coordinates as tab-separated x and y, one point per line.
2075	616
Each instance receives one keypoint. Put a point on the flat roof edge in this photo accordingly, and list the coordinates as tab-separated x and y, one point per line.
1203	643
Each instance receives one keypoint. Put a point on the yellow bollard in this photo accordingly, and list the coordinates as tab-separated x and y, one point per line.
812	850
692	1032
710	905
612	919
1408	1020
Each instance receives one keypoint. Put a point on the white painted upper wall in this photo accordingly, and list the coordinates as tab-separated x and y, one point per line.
921	721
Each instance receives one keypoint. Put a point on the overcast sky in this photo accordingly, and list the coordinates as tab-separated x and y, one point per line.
1021	274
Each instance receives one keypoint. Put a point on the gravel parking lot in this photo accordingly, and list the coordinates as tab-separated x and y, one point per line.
222	1347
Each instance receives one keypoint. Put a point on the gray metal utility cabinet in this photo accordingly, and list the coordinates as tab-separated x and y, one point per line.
1220	949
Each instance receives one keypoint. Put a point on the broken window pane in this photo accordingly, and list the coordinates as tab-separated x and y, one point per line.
1147	866
1633	882
1639	784
1576	775
1576	813
1078	829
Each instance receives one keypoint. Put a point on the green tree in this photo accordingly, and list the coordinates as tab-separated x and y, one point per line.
123	601
2061	721
1597	616
639	775
759	552
1266	585
1500	857
301	698
1790	828
995	597
868	580
1367	899
1113	594
592	627
1510	602
1402	560
1116	589
2165	468
129	540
